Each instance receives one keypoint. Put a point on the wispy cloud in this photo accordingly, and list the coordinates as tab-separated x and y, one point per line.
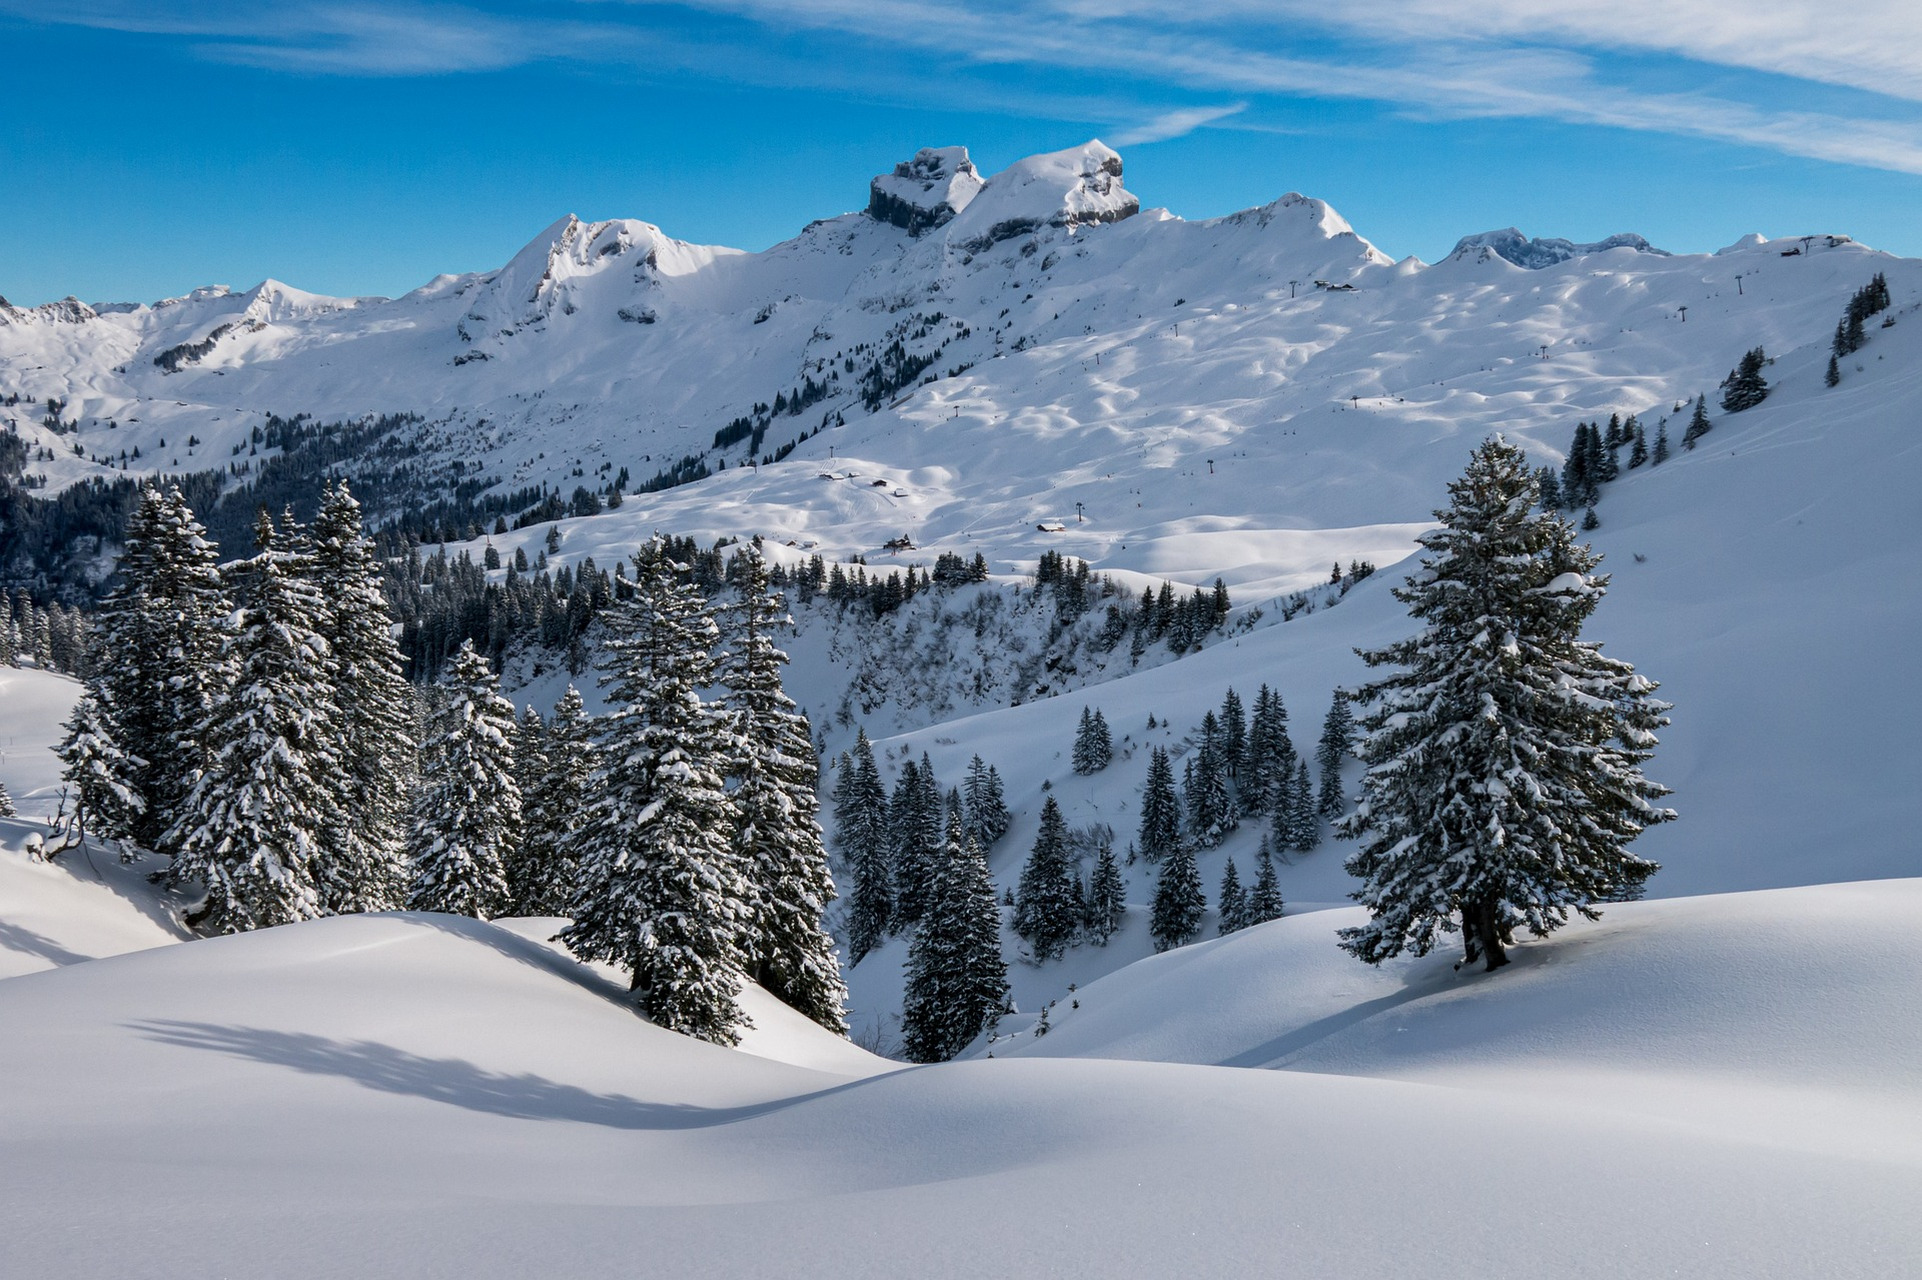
1175	124
1805	83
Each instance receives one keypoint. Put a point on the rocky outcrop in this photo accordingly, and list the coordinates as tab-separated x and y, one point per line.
925	192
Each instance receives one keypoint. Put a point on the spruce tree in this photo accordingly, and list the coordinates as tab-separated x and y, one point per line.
1264	900
1046	909
1551	488
862	840
163	630
1107	897
1834	376
1232	905
100	778
1504	752
1306	828
554	809
1234	734
661	890
524	872
1211	814
1179	905
1271	755
778	832
467	818
1093	746
1744	388
957	981
917	823
376	706
1660	454
1698	424
259	818
1160	831
1638	454
987	815
1337	741
6	803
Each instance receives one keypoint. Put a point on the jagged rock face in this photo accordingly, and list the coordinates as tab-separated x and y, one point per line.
1511	245
68	310
925	192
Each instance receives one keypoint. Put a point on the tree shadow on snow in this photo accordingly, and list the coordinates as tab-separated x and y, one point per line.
526	951
15	937
450	1080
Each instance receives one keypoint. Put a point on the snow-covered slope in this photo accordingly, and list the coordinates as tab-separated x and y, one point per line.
422	1095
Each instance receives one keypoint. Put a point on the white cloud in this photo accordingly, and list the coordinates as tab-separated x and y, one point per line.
1175	124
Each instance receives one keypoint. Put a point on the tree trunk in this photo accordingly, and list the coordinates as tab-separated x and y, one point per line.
1488	935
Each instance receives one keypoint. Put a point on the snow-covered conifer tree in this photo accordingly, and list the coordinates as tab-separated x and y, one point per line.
523	868
957	981
263	812
1234	734
370	872
1160	831
1304	822
1179	905
1233	902
1264	900
1211	813
1698	423
100	777
1107	897
778	830
554	810
1046	910
1093	745
1504	753
861	838
163	629
661	890
467	818
1337	741
987	812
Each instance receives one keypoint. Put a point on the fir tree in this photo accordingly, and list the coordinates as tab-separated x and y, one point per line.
1233	902
100	777
524	873
1093	745
1107	897
1234	734
1551	488
1179	905
1337	741
1744	388
1211	812
987	815
1160	831
1698	424
1271	755
1264	900
957	982
259	817
376	705
661	890
164	628
917	821
1638	454
862	840
1834	376
1046	911
6	803
1660	454
778	833
1503	752
1305	827
554	808
467	819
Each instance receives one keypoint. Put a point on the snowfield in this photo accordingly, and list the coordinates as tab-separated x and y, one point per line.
1721	1080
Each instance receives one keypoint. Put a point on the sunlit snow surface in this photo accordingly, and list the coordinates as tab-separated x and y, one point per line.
1718	1081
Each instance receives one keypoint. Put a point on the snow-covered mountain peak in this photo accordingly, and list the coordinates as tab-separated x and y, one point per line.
925	192
69	310
1532	254
1066	189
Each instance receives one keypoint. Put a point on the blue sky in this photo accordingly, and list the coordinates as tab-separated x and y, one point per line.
346	147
